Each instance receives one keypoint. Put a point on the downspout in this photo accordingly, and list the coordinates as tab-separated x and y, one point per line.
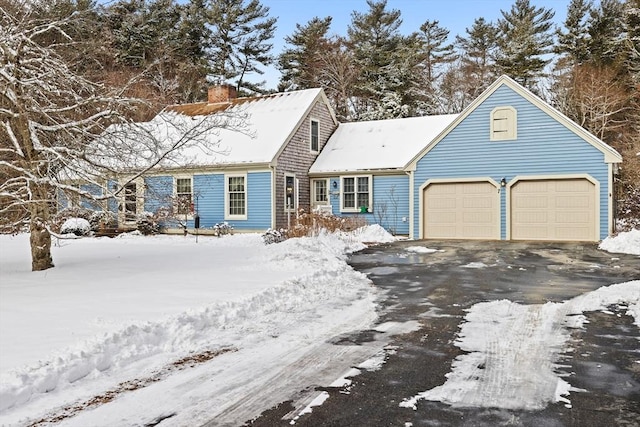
411	204
272	167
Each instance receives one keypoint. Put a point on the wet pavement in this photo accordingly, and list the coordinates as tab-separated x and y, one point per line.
436	289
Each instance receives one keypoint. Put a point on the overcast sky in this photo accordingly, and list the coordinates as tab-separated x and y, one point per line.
455	15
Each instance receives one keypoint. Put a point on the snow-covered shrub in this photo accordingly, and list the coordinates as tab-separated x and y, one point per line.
273	236
147	224
222	228
66	213
103	219
77	226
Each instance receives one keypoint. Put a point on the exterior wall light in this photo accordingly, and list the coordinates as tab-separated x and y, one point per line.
503	182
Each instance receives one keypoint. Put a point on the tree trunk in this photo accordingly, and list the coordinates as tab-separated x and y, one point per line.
40	237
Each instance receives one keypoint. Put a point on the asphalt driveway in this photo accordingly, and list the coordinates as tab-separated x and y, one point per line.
437	288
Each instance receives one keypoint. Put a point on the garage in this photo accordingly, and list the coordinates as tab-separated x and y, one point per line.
554	209
461	210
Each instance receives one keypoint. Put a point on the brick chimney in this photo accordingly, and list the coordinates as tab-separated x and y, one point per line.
221	93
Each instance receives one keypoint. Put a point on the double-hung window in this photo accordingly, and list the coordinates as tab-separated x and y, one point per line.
184	196
235	197
356	194
315	136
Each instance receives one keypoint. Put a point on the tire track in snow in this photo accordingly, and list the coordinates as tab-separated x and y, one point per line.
513	350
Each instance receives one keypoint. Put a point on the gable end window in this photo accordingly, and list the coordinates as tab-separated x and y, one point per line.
315	136
356	194
184	196
235	195
504	124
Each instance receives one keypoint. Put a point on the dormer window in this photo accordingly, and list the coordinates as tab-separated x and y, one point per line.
504	124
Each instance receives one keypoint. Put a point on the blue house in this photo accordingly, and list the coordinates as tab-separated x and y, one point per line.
252	174
509	167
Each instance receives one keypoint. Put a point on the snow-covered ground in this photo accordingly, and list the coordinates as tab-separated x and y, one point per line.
627	242
134	330
164	327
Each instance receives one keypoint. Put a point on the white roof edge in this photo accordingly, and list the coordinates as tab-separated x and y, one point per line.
610	154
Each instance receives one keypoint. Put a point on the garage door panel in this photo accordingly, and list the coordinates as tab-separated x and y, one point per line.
573	202
531	201
461	210
532	217
554	209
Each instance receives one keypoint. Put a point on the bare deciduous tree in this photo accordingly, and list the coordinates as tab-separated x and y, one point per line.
58	129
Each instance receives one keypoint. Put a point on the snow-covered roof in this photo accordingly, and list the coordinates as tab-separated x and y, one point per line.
378	144
244	131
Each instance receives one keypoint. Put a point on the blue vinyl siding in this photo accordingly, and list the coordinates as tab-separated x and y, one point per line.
392	193
88	203
158	192
258	202
112	203
209	199
390	202
543	147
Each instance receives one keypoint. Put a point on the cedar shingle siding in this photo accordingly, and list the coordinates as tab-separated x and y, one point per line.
296	159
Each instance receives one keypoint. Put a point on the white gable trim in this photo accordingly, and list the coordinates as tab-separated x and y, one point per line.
428	182
610	154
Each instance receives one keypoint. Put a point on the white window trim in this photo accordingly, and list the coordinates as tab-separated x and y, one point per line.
356	209
175	194
513	123
227	215
311	120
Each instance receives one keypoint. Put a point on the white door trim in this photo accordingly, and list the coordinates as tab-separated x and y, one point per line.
588	177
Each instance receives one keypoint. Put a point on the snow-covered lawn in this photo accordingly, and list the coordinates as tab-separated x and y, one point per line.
134	330
134	312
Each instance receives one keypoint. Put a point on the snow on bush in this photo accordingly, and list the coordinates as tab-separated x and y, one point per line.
626	242
273	236
77	226
222	228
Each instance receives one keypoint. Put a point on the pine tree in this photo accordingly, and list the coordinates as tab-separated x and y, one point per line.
301	64
574	43
631	40
240	41
606	32
477	53
525	38
380	53
433	54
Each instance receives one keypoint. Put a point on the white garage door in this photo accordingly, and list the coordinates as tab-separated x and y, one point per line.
461	210
555	209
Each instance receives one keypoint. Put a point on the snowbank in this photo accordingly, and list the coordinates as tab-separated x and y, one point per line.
627	242
117	310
